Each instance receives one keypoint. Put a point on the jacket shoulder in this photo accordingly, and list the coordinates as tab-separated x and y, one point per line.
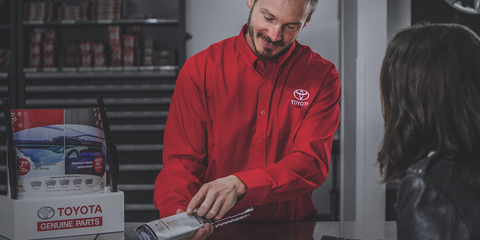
313	57
429	191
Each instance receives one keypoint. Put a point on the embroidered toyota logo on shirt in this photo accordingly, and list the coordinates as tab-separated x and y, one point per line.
301	95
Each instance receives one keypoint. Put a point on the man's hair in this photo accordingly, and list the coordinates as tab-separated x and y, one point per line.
430	92
313	6
312	3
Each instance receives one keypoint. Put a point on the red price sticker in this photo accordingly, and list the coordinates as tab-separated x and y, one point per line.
98	163
24	166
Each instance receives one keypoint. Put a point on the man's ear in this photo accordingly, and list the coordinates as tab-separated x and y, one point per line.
308	20
250	3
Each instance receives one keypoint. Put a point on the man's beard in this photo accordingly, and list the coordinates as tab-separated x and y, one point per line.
267	52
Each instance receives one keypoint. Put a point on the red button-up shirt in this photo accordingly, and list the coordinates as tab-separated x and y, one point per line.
271	124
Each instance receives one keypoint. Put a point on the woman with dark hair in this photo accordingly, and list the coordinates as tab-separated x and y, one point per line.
430	90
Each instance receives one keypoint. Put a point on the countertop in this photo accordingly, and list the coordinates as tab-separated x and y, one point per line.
277	230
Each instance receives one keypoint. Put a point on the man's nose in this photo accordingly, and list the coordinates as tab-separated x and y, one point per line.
276	33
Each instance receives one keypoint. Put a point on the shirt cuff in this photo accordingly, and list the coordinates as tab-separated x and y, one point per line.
258	185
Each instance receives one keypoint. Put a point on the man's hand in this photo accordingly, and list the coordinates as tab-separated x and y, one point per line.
217	197
202	233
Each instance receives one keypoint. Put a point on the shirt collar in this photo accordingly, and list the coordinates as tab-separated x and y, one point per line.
250	57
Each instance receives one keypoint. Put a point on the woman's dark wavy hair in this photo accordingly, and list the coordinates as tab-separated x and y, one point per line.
430	91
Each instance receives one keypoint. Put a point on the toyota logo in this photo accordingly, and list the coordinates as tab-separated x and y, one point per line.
45	213
301	95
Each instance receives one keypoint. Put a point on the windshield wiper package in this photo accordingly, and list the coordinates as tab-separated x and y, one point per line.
60	151
183	225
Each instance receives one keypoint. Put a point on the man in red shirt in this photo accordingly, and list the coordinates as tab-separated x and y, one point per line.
251	122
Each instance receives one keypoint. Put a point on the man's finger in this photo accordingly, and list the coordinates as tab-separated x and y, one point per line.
209	228
207	204
202	233
210	231
224	209
196	200
219	202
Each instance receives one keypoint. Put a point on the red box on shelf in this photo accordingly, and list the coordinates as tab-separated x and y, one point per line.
48	61
99	61
106	9
35	37
72	12
114	35
148	51
98	48
34	55
128	58
37	11
48	54
116	56
85	48
128	41
48	47
86	60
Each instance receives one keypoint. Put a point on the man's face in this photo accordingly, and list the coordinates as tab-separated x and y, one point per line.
273	25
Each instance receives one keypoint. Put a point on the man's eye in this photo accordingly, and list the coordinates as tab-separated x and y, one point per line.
293	27
267	18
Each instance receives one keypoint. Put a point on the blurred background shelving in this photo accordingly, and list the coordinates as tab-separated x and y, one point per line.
129	54
7	74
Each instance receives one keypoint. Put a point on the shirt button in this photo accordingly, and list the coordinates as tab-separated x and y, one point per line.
265	83
260	141
263	112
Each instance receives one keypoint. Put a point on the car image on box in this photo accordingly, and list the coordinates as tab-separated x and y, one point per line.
79	152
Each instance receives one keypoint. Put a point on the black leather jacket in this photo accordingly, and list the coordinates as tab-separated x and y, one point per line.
431	206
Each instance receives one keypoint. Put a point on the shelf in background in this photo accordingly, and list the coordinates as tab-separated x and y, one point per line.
137	128
88	101
137	147
161	71
136	114
150	21
137	98
101	88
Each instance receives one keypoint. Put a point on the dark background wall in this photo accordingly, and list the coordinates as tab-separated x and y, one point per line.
439	11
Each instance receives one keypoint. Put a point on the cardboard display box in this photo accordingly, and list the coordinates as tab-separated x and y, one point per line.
60	216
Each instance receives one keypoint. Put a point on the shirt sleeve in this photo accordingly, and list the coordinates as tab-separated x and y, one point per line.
424	212
306	167
183	170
